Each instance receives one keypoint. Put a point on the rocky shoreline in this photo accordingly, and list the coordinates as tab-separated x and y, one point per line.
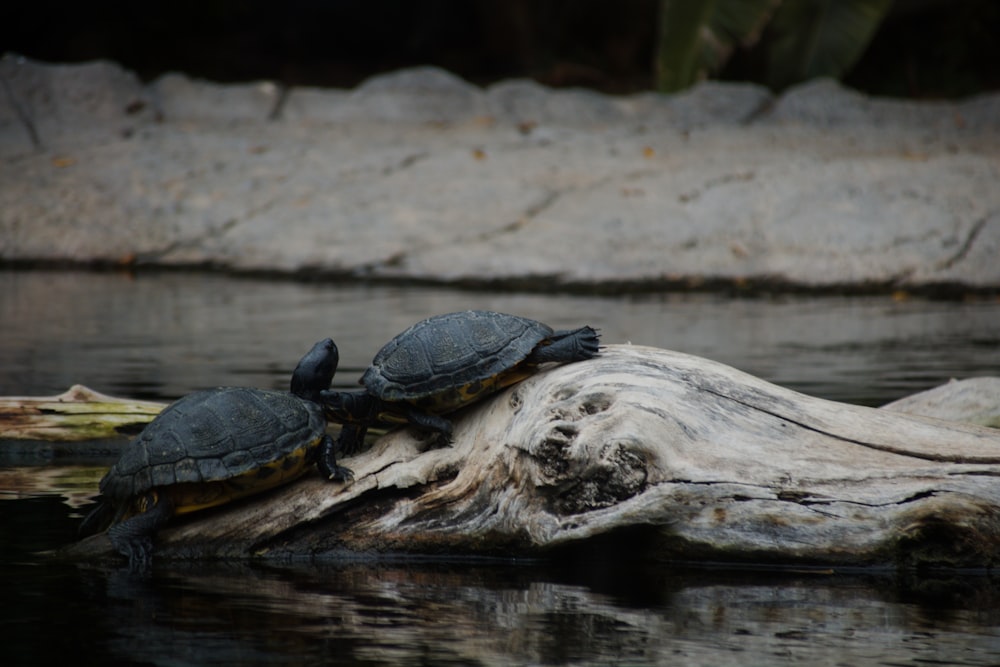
420	177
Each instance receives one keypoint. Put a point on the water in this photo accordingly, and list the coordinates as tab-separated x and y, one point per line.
162	335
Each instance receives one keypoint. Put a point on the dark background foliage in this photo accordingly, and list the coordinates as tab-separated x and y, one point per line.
921	49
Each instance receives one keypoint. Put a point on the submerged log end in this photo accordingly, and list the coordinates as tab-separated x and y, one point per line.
78	414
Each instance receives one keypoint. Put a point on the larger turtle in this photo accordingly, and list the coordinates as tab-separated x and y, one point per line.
215	446
446	362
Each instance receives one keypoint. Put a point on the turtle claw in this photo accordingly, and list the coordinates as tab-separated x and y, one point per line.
140	558
341	474
133	538
326	461
137	549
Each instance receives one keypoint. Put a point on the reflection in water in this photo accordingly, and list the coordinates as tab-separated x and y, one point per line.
75	485
162	335
468	614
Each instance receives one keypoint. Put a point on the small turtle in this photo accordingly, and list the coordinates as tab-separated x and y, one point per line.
446	362
214	446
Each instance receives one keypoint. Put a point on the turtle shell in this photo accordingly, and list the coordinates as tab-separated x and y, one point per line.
450	360
213	446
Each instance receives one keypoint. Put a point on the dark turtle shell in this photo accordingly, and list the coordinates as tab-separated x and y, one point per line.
450	360
213	446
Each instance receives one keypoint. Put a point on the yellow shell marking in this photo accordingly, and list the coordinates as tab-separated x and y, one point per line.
195	496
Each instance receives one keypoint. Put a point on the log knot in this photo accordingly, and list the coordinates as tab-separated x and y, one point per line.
948	530
578	472
618	474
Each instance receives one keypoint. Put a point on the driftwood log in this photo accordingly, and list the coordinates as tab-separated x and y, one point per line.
657	453
79	413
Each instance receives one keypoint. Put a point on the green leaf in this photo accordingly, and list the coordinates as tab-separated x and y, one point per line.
740	22
814	38
696	39
678	50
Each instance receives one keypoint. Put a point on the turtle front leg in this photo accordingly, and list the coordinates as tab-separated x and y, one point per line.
327	461
355	411
352	438
133	537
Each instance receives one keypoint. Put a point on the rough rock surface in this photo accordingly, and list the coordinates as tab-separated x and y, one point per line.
420	175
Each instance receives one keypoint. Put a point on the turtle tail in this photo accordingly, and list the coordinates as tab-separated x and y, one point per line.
575	345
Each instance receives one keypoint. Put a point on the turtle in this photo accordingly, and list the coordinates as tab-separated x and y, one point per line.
214	446
446	362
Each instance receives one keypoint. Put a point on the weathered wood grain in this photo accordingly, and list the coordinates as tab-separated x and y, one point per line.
673	456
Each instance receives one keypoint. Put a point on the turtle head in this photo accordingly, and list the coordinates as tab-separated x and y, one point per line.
315	370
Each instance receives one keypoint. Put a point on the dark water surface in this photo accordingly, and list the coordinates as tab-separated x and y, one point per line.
162	335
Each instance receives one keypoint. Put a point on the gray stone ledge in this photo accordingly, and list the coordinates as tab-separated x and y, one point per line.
419	175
